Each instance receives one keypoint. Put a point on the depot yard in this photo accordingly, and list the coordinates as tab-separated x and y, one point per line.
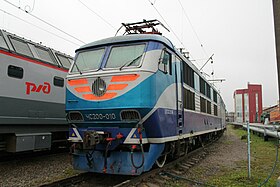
226	165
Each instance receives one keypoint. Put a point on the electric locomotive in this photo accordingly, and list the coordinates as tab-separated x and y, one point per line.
32	95
134	100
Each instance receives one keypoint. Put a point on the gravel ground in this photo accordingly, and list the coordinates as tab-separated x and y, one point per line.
35	171
224	153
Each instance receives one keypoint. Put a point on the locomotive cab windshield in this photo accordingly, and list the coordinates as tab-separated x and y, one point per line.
119	57
125	56
88	60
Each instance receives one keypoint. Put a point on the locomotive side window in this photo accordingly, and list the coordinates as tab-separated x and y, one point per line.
202	85
215	96
58	81
208	107
64	61
125	56
215	110
165	62
2	42
188	75
45	55
88	60
15	72
189	100
208	93
196	81
202	105
21	47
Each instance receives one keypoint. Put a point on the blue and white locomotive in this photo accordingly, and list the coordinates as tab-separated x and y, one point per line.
134	100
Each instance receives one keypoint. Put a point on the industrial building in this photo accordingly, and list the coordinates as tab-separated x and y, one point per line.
248	104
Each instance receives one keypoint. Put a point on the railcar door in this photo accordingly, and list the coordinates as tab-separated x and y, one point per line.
180	110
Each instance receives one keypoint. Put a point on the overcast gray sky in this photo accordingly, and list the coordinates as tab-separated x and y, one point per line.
240	33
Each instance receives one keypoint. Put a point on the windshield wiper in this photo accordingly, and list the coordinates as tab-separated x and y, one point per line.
78	68
130	62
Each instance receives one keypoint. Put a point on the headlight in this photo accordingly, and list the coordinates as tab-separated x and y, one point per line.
99	87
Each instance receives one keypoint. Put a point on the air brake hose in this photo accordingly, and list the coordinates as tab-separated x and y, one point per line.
106	155
118	137
142	150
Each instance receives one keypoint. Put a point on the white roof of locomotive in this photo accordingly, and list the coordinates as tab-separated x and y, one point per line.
129	38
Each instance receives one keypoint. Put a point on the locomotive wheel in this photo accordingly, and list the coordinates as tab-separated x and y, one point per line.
161	161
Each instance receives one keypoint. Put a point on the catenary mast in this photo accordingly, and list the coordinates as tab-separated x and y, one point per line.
276	11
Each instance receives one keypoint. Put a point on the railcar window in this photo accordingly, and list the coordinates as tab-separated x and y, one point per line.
88	60
58	81
188	75
189	99
45	55
202	105
21	47
15	72
2	42
64	61
165	62
124	56
208	107
215	110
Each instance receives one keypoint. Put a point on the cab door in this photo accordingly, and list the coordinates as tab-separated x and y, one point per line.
179	104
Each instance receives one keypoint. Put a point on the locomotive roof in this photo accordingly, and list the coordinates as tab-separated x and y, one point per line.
129	38
139	38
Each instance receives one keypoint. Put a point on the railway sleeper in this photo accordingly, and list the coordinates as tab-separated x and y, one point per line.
179	148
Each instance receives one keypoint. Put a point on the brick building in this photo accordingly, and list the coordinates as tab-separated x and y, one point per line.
248	104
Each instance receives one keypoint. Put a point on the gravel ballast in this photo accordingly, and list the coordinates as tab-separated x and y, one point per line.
36	171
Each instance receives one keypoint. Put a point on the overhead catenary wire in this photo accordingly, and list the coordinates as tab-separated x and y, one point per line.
30	9
192	27
51	25
103	19
38	27
197	37
153	5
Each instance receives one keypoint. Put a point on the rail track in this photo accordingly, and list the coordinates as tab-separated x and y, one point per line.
174	170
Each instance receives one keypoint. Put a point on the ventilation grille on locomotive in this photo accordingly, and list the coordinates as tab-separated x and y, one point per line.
99	87
75	116
130	115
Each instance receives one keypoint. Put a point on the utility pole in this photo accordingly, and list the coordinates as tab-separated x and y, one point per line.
276	12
